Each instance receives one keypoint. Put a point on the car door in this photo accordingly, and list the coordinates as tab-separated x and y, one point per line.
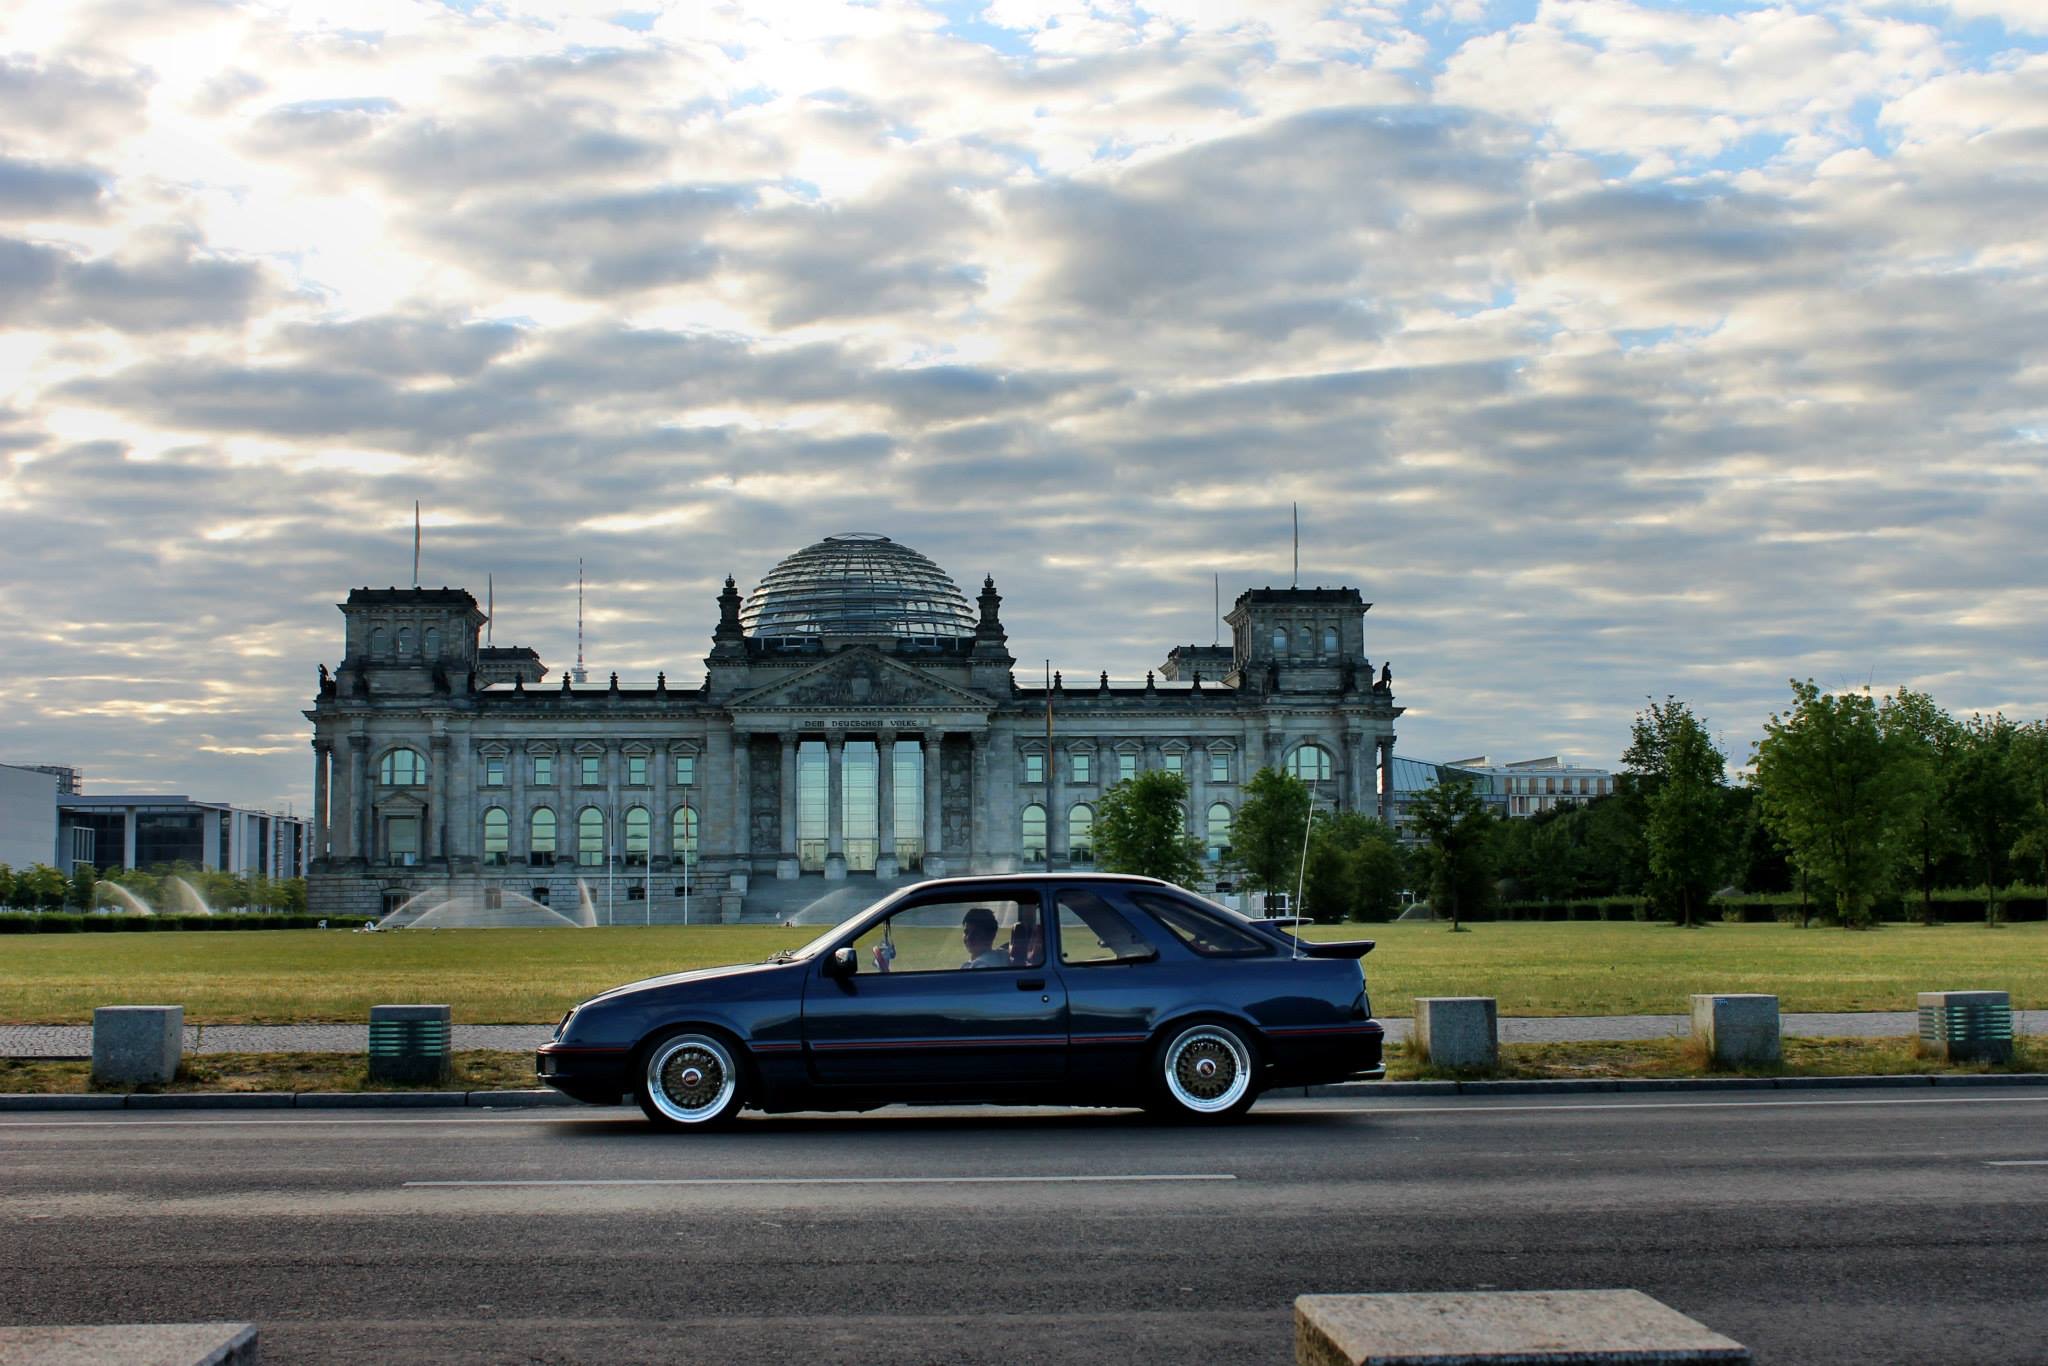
934	1004
1116	987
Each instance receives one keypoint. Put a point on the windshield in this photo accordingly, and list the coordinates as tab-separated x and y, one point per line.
831	933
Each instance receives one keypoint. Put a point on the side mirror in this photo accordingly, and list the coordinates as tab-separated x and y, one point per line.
844	962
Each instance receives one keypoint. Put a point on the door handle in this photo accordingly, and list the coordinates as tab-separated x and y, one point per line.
1031	984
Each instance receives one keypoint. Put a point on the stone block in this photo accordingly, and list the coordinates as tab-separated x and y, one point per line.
1739	1030
137	1045
412	1045
1460	1032
1966	1026
130	1344
1569	1327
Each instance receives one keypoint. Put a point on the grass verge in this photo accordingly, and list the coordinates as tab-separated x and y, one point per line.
1648	1058
532	976
475	1070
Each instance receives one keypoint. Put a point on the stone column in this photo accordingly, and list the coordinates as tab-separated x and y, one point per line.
359	796
1352	756
1386	748
518	844
1057	846
437	797
978	815
323	759
885	803
934	800
1198	793
566	763
742	800
660	821
786	865
835	807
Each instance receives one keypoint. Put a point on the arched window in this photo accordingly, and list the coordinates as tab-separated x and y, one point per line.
1034	833
541	837
684	834
590	836
402	768
380	640
405	640
1219	831
1279	640
430	643
1310	763
1081	832
639	834
497	835
1329	640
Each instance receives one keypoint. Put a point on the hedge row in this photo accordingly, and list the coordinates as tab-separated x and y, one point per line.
1953	906
12	922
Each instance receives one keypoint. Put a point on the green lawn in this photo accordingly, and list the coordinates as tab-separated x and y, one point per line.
532	976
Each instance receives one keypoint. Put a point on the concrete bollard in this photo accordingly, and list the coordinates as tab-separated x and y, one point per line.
1460	1032
137	1045
412	1045
1526	1327
1966	1026
1739	1030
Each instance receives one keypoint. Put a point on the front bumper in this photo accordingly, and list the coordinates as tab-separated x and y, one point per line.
595	1073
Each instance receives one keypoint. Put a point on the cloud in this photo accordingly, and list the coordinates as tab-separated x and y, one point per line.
1610	349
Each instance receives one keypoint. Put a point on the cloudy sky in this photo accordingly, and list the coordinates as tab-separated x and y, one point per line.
1611	349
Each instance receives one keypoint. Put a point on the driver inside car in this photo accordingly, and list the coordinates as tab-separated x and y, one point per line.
978	933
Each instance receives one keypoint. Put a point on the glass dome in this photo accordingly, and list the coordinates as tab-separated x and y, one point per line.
857	584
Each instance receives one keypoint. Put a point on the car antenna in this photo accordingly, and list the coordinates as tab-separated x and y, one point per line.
1301	873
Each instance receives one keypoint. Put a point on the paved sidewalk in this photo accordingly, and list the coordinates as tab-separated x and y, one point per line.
75	1041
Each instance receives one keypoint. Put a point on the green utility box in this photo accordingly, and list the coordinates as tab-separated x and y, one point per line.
1966	1026
412	1045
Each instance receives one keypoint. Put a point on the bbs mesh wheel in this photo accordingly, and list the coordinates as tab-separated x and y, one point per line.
1206	1071
690	1080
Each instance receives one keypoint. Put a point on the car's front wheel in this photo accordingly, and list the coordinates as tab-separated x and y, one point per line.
690	1080
1204	1071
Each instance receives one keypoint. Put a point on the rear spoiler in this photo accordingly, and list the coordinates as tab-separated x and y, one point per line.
1310	948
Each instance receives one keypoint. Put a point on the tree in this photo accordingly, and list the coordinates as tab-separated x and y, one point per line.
1987	801
2030	773
6	886
1266	836
1355	869
1141	827
84	883
42	887
1830	782
1453	817
1924	740
1679	772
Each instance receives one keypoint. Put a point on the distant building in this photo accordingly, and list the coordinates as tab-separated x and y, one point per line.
28	816
858	720
70	782
1412	777
1533	786
154	831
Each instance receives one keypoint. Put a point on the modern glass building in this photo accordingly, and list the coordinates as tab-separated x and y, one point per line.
858	720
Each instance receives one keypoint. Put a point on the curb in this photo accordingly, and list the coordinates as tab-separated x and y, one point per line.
1917	1081
287	1100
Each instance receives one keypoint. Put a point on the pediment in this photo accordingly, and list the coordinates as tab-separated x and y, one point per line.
858	679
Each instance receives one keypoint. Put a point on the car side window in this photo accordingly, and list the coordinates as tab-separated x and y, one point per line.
966	934
1092	931
1203	931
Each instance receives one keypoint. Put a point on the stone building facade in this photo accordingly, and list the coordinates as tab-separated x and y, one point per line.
858	722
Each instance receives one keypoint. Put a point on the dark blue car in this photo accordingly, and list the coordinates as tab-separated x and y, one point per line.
1023	989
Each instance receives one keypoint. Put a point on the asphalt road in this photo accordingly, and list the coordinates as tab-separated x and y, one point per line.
1854	1228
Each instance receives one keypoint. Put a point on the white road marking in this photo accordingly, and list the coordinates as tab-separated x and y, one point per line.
2021	1162
1385	1109
836	1180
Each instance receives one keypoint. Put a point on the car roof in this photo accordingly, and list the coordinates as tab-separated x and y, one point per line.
986	879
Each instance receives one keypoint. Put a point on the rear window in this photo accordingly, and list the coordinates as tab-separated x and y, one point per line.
1206	933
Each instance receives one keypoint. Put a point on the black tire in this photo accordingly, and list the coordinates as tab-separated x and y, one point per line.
1204	1072
690	1079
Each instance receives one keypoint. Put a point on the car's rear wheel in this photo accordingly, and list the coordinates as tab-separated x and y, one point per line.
1204	1072
690	1079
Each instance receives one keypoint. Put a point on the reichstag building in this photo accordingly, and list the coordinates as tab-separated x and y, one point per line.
860	723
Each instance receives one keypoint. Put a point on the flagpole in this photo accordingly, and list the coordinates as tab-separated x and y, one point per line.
1048	766
416	543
